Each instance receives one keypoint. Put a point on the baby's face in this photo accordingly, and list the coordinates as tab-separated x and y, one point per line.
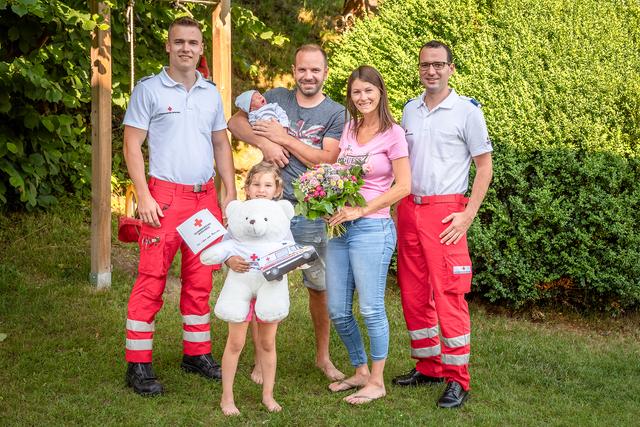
257	101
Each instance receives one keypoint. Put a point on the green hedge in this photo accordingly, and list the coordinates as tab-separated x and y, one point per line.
559	83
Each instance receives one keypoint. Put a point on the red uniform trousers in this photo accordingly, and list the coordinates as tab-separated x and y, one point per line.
433	279
158	247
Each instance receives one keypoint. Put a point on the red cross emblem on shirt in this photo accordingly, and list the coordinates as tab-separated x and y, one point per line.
198	222
254	257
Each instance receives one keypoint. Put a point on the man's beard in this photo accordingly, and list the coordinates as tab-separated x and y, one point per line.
309	91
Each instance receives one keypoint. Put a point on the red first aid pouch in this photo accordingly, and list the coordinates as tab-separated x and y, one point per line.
129	229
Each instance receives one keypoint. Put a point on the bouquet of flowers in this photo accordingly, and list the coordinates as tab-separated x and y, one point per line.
322	190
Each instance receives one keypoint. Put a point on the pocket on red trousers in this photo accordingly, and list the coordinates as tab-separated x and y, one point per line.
459	271
152	257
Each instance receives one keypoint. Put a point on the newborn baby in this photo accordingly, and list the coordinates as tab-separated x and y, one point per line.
255	105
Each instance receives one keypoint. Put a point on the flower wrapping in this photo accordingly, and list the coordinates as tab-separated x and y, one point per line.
322	190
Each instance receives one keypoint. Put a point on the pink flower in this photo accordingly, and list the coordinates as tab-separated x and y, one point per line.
338	179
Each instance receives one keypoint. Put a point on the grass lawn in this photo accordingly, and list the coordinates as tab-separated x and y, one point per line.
62	355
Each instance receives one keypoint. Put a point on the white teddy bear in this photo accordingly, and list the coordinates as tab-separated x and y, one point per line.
255	228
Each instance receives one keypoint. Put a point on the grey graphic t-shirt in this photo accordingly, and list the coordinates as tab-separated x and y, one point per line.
309	125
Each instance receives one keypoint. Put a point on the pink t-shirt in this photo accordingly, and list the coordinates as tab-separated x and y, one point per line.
377	155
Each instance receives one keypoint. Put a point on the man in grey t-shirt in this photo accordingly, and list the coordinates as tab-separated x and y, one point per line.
308	125
316	124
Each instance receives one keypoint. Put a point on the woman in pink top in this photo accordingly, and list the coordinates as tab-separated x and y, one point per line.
359	259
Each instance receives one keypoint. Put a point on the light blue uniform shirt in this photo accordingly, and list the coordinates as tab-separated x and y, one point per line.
179	126
442	143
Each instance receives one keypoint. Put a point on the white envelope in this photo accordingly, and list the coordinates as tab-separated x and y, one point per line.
200	230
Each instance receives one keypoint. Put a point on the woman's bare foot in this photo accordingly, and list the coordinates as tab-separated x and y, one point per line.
271	404
330	371
229	408
256	374
355	381
366	394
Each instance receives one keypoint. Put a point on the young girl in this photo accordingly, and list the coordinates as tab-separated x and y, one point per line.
263	181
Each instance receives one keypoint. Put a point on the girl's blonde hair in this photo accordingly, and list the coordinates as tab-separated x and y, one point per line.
266	167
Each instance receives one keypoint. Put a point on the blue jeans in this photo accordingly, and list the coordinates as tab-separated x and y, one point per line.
359	259
312	233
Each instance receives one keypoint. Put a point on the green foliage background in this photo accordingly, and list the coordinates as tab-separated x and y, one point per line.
559	81
43	99
45	93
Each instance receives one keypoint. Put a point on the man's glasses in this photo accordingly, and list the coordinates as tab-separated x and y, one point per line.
438	66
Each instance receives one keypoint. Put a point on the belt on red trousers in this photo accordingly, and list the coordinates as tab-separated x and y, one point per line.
195	188
430	200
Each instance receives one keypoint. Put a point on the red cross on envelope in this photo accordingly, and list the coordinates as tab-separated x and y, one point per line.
198	222
253	257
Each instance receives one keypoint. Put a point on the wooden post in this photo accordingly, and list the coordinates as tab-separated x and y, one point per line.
221	52
221	61
101	150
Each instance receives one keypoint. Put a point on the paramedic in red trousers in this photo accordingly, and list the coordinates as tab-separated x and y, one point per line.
445	131
180	115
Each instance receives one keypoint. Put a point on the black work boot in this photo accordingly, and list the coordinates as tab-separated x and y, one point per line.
414	378
454	396
141	377
204	365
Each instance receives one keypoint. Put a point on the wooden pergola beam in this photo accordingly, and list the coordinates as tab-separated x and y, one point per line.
101	150
221	52
221	61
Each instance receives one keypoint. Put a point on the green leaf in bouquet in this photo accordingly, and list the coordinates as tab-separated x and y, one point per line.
300	209
356	171
313	214
327	207
298	193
